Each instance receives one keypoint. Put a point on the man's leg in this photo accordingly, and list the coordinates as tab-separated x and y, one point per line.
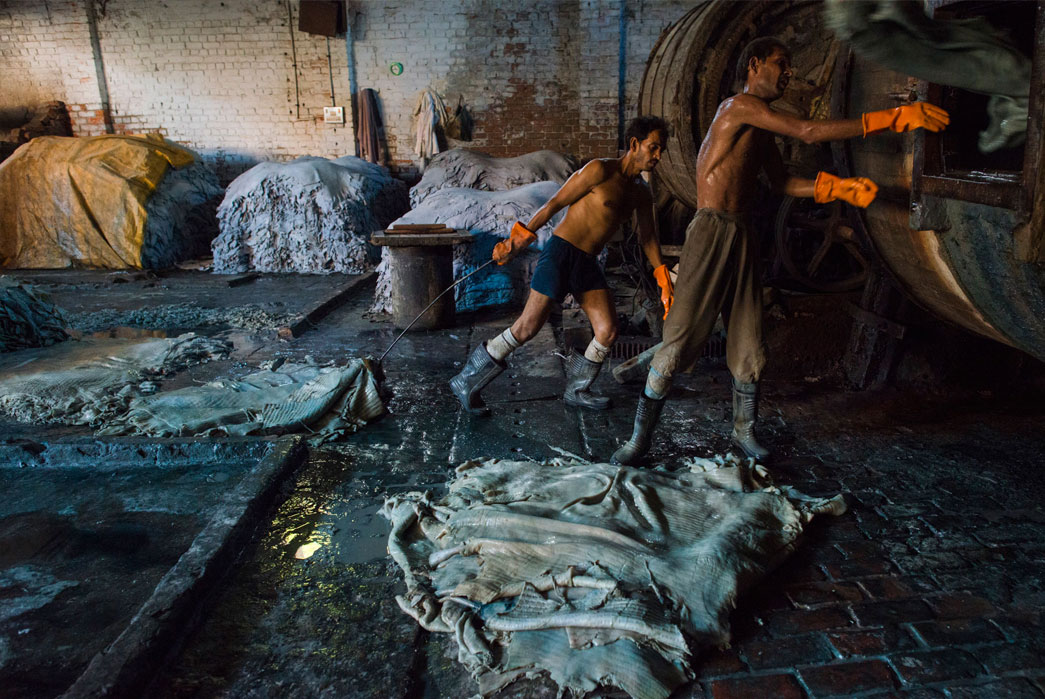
534	316
745	350
582	370
705	274
487	360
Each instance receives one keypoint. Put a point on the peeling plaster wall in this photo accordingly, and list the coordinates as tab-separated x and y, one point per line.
219	76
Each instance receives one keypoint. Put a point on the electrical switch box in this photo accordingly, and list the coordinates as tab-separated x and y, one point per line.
333	115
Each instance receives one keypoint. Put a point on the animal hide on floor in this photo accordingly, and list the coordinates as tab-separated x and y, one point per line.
327	401
592	573
88	382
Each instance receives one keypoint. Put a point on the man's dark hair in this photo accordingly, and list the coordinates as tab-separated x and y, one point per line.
643	126
760	48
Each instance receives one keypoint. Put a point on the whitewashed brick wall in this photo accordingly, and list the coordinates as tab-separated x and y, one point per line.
219	76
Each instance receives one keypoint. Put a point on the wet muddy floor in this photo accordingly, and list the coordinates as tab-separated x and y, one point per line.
931	586
943	538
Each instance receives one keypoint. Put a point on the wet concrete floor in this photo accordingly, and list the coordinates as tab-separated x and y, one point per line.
82	546
944	536
932	585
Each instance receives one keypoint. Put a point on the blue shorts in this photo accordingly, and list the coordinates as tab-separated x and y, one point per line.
563	268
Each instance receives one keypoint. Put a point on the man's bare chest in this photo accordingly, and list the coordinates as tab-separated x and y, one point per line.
611	200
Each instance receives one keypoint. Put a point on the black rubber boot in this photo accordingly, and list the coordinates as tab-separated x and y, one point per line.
646	416
580	374
745	415
479	370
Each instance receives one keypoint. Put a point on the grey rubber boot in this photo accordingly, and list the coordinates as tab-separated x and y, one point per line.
479	370
580	374
745	415
646	416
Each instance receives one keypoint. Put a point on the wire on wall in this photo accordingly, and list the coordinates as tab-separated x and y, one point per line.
294	60
330	72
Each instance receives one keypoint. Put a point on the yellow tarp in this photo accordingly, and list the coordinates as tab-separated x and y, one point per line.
80	201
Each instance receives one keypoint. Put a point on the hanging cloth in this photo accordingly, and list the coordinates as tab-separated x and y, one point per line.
370	127
429	114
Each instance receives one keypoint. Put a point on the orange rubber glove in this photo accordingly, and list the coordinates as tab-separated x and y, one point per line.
667	289
920	115
858	191
521	238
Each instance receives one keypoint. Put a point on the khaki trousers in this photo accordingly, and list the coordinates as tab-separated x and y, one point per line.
718	272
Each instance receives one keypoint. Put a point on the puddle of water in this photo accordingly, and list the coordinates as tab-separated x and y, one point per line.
326	519
360	536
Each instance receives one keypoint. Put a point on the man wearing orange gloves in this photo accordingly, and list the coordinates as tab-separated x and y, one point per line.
719	268
600	196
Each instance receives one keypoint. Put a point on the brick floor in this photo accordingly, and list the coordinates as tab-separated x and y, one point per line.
758	687
933	585
849	678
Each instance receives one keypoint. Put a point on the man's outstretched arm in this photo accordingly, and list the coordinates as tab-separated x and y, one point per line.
779	178
858	191
747	109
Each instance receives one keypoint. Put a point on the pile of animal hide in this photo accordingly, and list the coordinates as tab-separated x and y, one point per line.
593	573
179	315
91	381
468	168
310	215
489	217
111	202
327	401
27	319
180	217
965	53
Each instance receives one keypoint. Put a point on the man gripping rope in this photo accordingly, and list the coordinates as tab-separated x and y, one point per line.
718	271
600	196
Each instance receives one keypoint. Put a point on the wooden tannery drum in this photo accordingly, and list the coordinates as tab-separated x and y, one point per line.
963	233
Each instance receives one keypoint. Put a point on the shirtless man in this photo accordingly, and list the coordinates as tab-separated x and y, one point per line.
601	195
719	268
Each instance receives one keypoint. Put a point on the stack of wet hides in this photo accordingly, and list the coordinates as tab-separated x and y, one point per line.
468	168
489	217
112	202
180	217
27	319
310	215
592	573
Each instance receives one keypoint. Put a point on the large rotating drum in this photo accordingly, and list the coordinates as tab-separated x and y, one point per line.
975	261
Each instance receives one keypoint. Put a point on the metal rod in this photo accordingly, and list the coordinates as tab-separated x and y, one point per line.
482	266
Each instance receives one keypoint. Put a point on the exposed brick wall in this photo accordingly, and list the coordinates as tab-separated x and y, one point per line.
220	76
45	54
